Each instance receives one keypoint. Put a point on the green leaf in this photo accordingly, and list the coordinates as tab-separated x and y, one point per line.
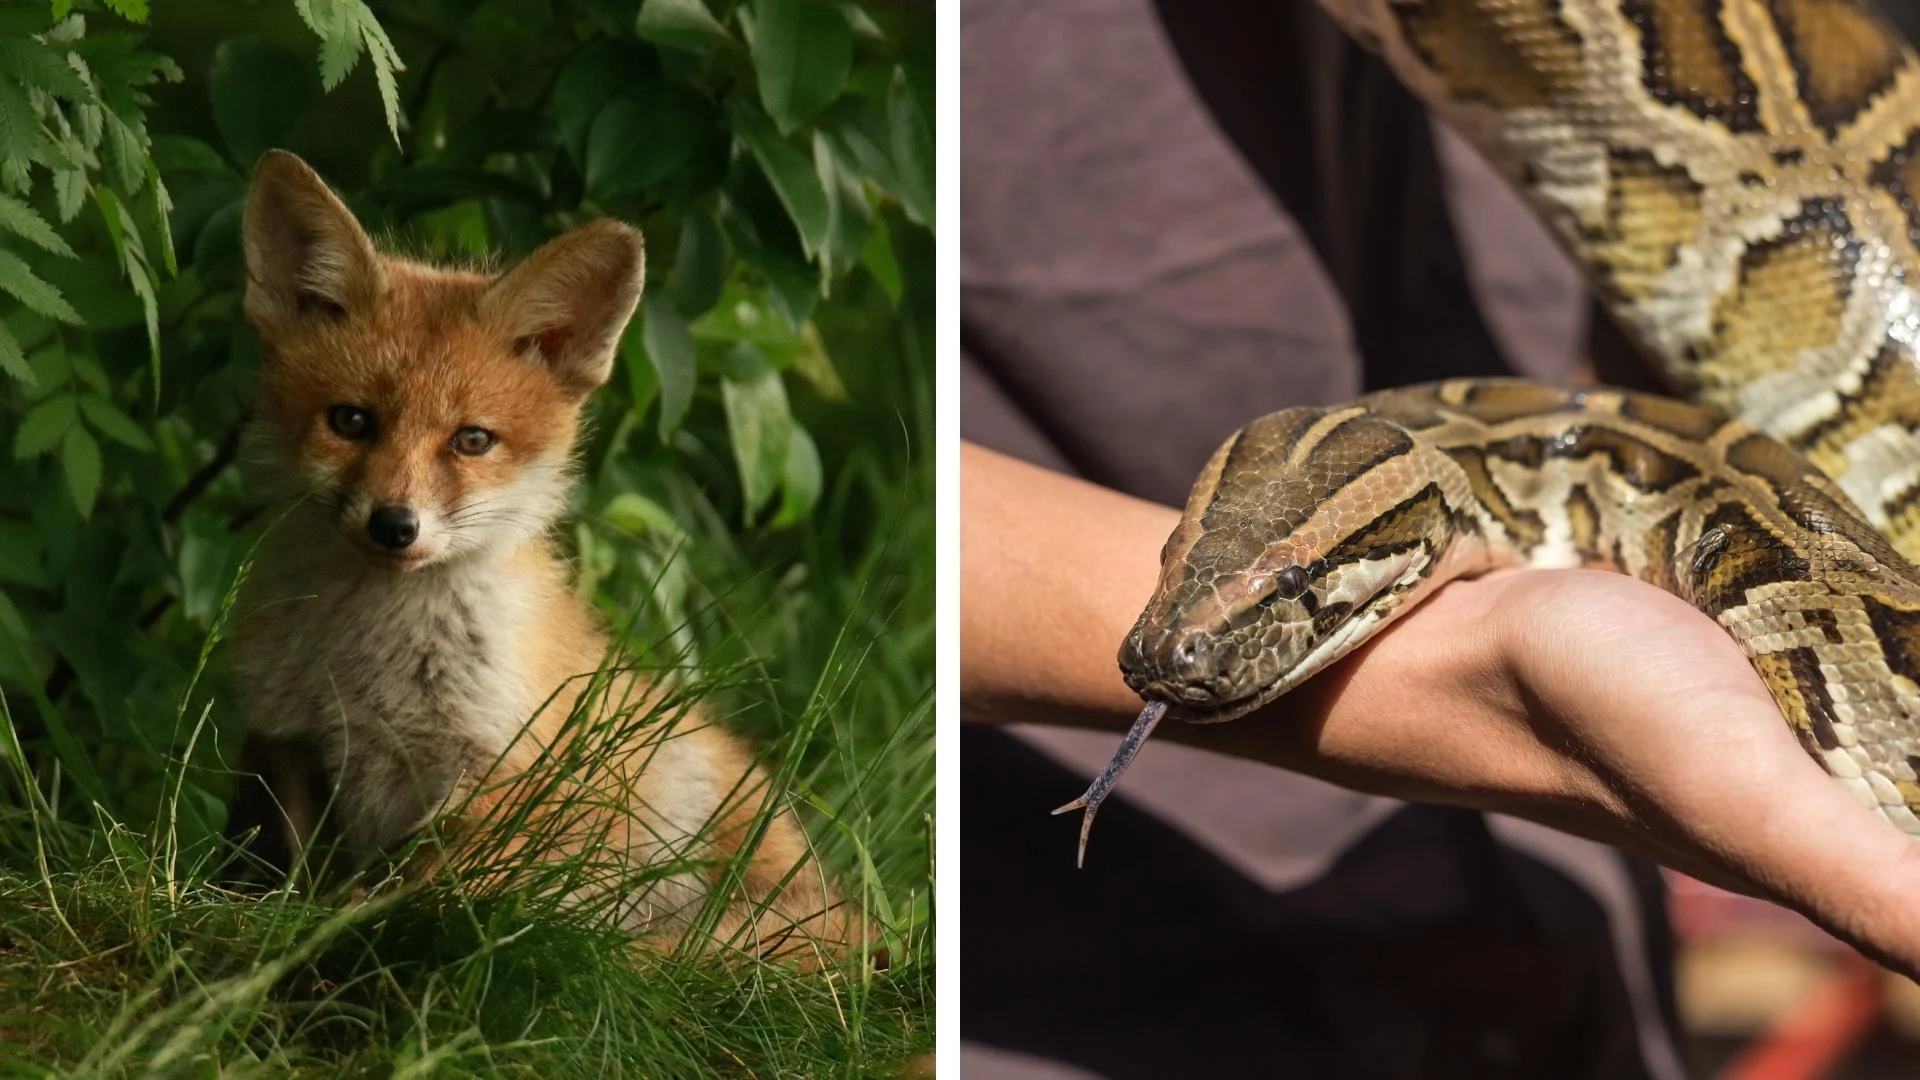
642	516
641	139
141	278
88	371
802	51
683	24
44	426
259	94
120	70
18	278
114	424
15	642
124	152
337	25
791	172
23	221
813	364
670	347
178	155
29	327
338	57
759	424
210	556
20	138
386	62
699	264
794	286
800	487
162	215
42	67
63	152
643	382
93	125
601	71
849	214
80	456
52	369
911	130
460	228
879	259
70	192
757	315
109	205
97	289
133	10
12	360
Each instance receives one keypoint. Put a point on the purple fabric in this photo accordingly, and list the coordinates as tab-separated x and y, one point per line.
1175	220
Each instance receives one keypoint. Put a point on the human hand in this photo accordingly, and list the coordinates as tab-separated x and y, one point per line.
1584	700
1606	707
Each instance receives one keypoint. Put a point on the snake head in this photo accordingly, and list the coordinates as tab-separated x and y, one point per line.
1308	530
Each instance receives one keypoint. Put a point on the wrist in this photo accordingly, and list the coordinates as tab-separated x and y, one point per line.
1053	572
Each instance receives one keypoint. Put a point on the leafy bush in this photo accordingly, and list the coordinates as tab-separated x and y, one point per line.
757	487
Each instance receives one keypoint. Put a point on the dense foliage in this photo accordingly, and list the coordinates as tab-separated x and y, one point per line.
757	489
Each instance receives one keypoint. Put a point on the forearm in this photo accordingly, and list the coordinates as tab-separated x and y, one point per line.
1053	571
1584	700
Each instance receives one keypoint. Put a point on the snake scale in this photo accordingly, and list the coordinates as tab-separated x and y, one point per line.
1738	179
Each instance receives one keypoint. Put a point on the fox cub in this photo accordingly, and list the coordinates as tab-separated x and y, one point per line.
407	615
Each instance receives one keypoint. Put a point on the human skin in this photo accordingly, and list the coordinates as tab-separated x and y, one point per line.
1581	699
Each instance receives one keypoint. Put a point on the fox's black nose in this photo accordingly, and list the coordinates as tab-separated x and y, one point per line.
393	527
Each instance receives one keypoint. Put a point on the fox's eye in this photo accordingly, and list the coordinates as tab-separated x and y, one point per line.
350	421
472	441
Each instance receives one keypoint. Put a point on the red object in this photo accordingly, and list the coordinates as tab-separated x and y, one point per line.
1816	1034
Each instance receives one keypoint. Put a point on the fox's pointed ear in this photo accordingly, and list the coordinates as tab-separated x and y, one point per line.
569	302
306	255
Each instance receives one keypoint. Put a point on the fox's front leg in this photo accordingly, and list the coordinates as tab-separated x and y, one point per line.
280	797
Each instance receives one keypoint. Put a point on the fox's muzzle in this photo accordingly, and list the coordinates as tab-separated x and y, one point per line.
393	527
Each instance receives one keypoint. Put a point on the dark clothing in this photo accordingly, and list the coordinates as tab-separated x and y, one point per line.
1177	219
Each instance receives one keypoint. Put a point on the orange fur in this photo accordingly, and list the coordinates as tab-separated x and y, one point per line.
402	670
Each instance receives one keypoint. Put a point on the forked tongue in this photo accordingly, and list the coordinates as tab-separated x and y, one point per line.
1109	776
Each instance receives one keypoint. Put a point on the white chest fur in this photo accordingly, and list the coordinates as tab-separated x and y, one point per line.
408	682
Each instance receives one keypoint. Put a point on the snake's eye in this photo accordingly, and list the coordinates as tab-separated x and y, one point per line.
350	422
1293	583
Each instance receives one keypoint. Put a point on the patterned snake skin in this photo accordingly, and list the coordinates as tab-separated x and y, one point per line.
1739	180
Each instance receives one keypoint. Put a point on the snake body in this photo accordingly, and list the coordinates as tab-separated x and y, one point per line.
1739	180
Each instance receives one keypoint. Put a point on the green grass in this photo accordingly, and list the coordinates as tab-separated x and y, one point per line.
122	954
